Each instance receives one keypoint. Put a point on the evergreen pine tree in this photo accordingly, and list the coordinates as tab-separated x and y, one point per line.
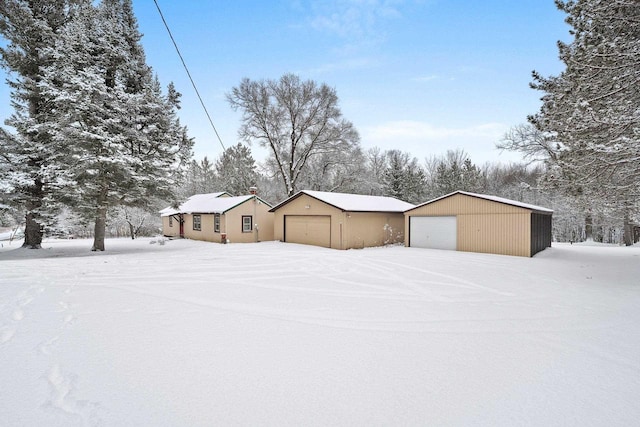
236	170
30	155
456	172
123	135
591	110
403	178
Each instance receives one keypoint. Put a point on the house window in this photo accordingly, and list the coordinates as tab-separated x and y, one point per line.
197	222
247	224
216	223
170	221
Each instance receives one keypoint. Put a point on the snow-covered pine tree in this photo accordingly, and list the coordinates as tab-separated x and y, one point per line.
592	109
31	153
403	177
236	170
454	172
123	135
199	177
208	180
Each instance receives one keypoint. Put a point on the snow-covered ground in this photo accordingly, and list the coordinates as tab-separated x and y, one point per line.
199	334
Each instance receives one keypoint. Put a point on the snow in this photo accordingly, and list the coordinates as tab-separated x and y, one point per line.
195	333
356	202
207	203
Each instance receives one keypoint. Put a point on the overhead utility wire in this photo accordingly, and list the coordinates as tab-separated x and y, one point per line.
188	73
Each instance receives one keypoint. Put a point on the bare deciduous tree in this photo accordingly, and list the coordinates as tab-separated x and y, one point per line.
297	120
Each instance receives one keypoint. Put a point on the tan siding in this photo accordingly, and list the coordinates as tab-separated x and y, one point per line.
261	216
206	230
231	224
482	225
506	234
173	231
265	222
365	230
204	233
299	205
348	229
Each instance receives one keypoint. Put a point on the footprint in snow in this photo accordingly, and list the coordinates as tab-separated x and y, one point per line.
63	306
45	348
69	318
17	315
61	398
6	333
61	387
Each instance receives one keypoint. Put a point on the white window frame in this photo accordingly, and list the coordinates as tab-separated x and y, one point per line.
246	229
197	222
216	223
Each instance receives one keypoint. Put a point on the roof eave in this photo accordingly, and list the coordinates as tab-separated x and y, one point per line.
532	208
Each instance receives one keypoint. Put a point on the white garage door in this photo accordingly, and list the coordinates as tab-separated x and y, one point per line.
433	232
308	230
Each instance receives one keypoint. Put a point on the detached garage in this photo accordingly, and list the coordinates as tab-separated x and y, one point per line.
339	220
479	223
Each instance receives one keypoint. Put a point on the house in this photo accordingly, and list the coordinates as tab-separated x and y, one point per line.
479	223
218	217
339	220
173	219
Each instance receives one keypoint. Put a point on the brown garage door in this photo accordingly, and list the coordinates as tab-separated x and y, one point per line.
308	230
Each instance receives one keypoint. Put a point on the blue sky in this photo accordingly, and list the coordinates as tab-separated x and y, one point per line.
423	76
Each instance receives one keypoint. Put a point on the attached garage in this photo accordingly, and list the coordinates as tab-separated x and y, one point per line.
479	223
308	229
339	220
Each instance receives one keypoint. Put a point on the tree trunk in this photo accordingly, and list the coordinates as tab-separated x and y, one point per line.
628	230
101	220
133	231
588	227
32	232
33	229
99	230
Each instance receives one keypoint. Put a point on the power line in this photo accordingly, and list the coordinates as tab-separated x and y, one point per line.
188	73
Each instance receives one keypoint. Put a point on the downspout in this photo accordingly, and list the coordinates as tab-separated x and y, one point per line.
254	192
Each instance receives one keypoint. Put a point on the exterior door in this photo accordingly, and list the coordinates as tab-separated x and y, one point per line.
433	232
308	230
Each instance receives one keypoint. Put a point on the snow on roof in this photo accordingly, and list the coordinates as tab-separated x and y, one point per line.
208	203
355	202
494	199
168	211
194	200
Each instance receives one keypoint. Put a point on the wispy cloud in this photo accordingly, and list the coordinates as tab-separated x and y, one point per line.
424	79
348	64
353	20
